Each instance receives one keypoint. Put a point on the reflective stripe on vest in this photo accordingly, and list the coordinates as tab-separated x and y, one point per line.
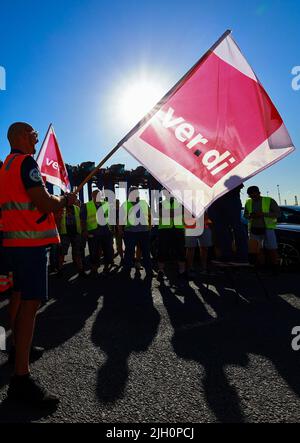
63	225
132	215
29	234
270	223
166	221
19	214
10	206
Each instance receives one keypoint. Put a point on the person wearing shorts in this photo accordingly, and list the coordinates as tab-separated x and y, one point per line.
194	240
262	213
28	229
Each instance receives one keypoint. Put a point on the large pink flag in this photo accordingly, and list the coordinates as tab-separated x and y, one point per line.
215	129
51	163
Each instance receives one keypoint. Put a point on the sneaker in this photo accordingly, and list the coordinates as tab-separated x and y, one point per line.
27	390
36	352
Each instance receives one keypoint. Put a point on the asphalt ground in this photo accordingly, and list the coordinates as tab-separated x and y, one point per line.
217	349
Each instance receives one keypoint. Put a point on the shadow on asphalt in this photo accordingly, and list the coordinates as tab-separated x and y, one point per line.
70	305
127	323
242	327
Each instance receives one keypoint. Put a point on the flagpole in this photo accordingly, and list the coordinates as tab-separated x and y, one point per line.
44	140
153	110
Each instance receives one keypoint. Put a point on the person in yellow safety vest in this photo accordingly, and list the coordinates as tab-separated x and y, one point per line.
70	234
136	217
95	228
171	235
262	213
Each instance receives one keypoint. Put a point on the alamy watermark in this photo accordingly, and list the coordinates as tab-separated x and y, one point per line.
296	339
296	79
2	339
162	210
2	79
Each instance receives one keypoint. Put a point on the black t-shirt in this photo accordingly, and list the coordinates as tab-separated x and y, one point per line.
30	172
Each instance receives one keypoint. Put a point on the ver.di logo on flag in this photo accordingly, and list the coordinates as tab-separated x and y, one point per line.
210	133
216	128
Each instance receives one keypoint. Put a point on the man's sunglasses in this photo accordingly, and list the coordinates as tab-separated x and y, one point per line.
33	132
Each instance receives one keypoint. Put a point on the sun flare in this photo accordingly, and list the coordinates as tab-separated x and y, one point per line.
138	99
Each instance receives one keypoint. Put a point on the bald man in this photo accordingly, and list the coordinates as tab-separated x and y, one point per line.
28	229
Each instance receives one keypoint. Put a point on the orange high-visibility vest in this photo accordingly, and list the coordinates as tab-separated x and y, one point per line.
19	214
6	281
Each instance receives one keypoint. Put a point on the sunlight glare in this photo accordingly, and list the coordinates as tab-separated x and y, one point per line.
138	99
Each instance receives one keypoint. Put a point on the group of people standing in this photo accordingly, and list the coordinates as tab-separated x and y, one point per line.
236	239
31	219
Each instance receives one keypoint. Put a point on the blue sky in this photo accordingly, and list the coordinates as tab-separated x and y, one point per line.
66	60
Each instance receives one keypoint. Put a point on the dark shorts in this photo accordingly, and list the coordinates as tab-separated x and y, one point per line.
30	272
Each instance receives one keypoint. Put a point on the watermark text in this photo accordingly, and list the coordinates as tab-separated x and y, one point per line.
2	79
2	339
296	79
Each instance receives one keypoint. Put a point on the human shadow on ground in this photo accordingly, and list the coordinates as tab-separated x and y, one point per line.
127	323
243	328
73	301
